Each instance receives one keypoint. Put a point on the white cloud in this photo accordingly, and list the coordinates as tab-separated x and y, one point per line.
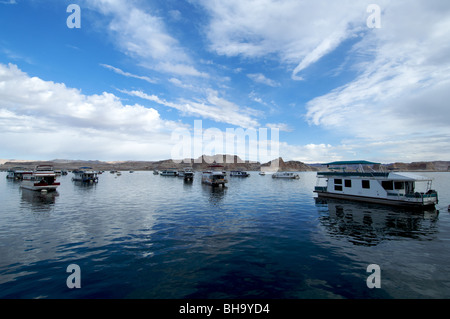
281	126
397	104
297	32
178	69
213	107
261	78
144	36
42	118
127	74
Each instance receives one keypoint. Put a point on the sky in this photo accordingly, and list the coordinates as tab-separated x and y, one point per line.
317	81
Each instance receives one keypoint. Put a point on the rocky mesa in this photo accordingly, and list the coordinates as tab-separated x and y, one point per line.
229	162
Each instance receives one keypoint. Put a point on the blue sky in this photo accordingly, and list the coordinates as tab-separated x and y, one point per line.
135	72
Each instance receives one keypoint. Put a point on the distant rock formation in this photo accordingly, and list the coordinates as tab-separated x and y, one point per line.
420	166
290	166
229	163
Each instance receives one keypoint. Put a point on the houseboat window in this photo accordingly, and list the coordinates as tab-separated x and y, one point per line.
365	183
338	187
348	183
388	185
399	185
337	181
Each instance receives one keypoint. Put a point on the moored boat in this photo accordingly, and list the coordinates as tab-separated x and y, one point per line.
382	187
214	177
17	173
85	174
239	174
43	178
187	173
169	172
287	175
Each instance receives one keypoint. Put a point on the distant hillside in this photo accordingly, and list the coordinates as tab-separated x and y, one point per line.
420	166
230	162
289	166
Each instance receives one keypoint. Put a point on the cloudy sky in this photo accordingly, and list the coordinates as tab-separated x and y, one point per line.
335	81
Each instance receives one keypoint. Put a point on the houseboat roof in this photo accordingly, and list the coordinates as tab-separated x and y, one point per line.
394	176
406	176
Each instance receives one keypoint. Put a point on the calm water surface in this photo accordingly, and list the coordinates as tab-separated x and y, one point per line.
141	235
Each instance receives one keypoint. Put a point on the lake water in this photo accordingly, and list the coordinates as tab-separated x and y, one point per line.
141	235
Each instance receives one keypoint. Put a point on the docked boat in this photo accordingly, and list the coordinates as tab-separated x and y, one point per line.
287	175
43	178
187	174
214	177
17	173
169	172
239	174
85	174
382	187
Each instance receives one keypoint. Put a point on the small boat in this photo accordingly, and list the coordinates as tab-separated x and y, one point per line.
287	175
131	171
119	173
262	173
17	173
85	174
214	177
43	178
155	172
187	174
239	174
169	172
381	187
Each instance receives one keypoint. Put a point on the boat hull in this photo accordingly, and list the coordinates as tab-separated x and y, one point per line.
286	176
39	187
214	182
85	180
375	200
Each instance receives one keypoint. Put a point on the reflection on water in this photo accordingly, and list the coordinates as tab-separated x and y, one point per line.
370	224
84	184
214	194
40	204
146	236
38	200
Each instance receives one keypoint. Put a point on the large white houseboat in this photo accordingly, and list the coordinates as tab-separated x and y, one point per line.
383	187
214	176
17	173
43	178
85	174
